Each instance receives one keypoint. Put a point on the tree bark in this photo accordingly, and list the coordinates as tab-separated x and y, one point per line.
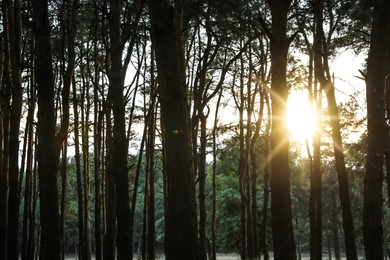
47	153
335	228
97	130
166	30
254	168
5	90
119	152
202	189
282	229
266	188
214	183
151	168
86	174
322	74
109	196
378	66
15	28
28	192
80	197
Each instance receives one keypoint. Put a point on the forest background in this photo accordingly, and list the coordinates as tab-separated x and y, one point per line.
140	128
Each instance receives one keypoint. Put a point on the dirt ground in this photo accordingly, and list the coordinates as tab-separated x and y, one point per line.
219	257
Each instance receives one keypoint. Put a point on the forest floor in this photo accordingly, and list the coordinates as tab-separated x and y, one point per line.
219	257
161	257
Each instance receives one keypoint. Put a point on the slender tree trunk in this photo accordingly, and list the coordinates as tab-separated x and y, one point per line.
151	167
6	147
249	231
31	231
242	171
64	161
181	227
282	229
335	229
138	169
109	198
378	67
80	197
14	34
266	188
202	189
315	206
86	173
98	143
145	216
47	153
3	172
3	189
70	31
214	183
248	134
28	192
316	187
254	168
387	146
136	181
323	76
97	129
119	152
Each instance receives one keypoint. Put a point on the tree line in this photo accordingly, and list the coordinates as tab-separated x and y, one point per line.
115	111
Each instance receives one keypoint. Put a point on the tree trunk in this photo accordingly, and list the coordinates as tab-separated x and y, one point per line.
109	196
31	216
378	67
316	185
145	216
85	158
166	30
335	229
80	197
31	242
263	232
4	163
323	76
387	146
242	169
119	152
151	169
97	144
28	192
47	153
97	130
214	183
202	189
254	168
15	28
282	229
136	181
63	168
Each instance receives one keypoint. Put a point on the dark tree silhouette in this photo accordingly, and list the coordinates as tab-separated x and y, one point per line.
378	67
181	236
282	230
47	153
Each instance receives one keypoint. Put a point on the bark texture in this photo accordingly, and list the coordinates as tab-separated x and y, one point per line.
166	28
282	230
47	153
377	69
119	141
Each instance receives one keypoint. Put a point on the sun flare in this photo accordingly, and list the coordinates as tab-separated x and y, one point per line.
301	119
